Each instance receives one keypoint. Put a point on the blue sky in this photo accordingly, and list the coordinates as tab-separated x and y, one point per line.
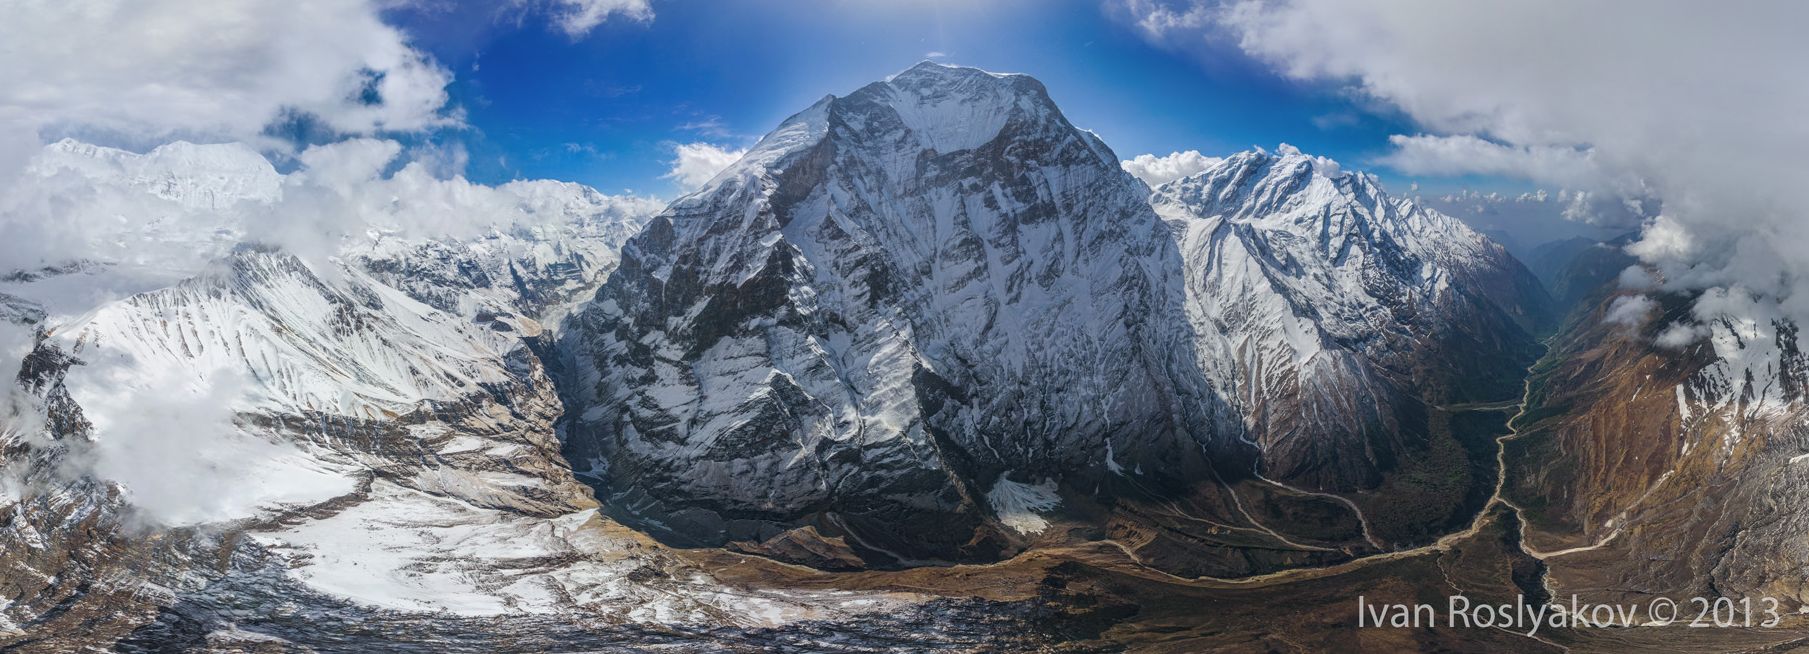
606	109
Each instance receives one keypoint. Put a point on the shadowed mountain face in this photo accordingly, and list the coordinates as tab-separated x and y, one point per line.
901	307
1349	326
1574	270
930	319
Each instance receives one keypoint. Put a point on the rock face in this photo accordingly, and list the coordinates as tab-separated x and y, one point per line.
896	298
1338	319
1674	471
910	302
1576	270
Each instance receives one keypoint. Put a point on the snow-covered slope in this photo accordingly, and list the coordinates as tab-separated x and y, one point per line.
213	177
141	221
1332	313
366	434
349	348
892	299
537	266
365	446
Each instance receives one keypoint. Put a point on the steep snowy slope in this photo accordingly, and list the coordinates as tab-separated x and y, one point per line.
561	244
322	445
1338	319
895	302
351	444
192	176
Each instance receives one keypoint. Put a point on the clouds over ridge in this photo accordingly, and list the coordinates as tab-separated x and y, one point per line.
1156	171
694	164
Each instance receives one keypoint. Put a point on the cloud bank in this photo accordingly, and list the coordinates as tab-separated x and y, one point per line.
144	221
1468	155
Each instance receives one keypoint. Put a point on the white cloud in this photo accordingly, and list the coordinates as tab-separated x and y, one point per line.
168	437
1468	155
1630	310
147	70
1622	205
578	17
1159	20
1680	334
1636	278
711	126
1692	104
695	164
152	219
173	208
1156	171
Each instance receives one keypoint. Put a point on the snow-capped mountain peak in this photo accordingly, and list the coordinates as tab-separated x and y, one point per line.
200	177
1309	284
893	276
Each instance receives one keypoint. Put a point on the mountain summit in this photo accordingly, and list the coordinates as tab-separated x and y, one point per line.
934	301
898	303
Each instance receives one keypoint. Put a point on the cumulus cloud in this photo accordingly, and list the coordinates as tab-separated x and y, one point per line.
1156	171
1694	104
168	437
694	164
1630	310
578	17
1621	203
344	195
1160	20
1680	334
147	70
1636	278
